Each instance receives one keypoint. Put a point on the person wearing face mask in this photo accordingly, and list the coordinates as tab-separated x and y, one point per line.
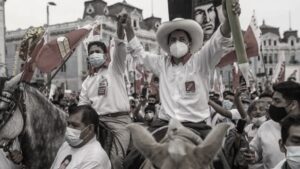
290	142
257	113
184	69
105	90
81	148
264	146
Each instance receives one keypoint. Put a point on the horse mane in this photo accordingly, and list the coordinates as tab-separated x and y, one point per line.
44	129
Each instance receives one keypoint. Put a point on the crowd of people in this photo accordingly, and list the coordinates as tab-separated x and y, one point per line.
264	128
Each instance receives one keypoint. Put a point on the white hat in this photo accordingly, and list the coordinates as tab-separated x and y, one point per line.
190	26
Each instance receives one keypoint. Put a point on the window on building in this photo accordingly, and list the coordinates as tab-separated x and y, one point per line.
275	58
63	68
292	43
265	43
275	43
270	71
270	42
134	24
265	59
270	59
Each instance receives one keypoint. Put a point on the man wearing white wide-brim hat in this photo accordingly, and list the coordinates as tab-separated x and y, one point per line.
184	70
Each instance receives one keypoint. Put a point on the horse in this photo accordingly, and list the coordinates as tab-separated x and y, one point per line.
26	114
181	148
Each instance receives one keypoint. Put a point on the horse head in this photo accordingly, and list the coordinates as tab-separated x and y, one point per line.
39	125
11	121
181	148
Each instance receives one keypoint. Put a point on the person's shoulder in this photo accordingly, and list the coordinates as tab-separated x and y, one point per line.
95	149
280	164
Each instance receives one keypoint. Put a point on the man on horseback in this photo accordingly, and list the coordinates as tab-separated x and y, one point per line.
184	71
105	90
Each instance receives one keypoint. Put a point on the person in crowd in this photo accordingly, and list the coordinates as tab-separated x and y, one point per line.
183	71
81	149
105	90
257	113
290	142
264	146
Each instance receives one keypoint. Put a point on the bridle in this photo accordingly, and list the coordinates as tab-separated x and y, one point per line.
9	102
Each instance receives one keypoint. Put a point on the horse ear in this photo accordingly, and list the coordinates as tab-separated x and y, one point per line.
212	143
10	85
142	139
176	128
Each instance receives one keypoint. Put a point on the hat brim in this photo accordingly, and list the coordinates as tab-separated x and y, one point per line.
190	26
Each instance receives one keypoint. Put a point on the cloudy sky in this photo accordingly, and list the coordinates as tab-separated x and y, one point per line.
25	13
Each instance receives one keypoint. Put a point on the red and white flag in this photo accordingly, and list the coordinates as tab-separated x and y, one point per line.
252	44
56	51
279	72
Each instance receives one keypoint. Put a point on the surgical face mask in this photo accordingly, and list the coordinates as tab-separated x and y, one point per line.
293	156
72	136
178	49
96	59
258	121
277	113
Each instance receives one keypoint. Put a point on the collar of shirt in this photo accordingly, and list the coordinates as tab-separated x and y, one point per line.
183	60
98	70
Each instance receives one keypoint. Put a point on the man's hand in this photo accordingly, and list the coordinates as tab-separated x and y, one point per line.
120	28
249	155
236	9
126	23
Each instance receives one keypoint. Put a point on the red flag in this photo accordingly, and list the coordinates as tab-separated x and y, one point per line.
279	69
53	53
235	76
251	38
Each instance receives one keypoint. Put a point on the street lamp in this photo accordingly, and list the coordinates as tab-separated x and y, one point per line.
49	4
48	78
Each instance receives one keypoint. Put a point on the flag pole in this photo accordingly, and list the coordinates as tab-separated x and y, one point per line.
56	71
238	41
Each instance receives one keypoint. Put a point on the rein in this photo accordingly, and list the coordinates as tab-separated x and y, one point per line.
13	103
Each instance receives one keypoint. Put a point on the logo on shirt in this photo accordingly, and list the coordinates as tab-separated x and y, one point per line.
102	89
190	87
64	164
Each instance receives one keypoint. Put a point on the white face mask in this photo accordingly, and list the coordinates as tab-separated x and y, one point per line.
178	49
258	121
72	136
96	59
293	156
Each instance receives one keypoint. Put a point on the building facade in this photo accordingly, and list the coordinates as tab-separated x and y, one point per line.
3	71
273	48
72	73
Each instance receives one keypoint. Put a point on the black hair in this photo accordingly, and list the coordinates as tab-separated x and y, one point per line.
265	94
98	43
227	93
290	90
187	34
286	123
89	115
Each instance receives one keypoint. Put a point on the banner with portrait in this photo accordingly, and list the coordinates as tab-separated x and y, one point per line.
208	13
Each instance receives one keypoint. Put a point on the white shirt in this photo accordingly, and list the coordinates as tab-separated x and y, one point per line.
184	88
112	79
89	156
266	145
280	164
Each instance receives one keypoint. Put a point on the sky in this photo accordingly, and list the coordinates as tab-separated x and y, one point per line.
25	13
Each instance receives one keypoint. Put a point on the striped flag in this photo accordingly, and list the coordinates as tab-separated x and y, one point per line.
252	43
56	51
279	72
